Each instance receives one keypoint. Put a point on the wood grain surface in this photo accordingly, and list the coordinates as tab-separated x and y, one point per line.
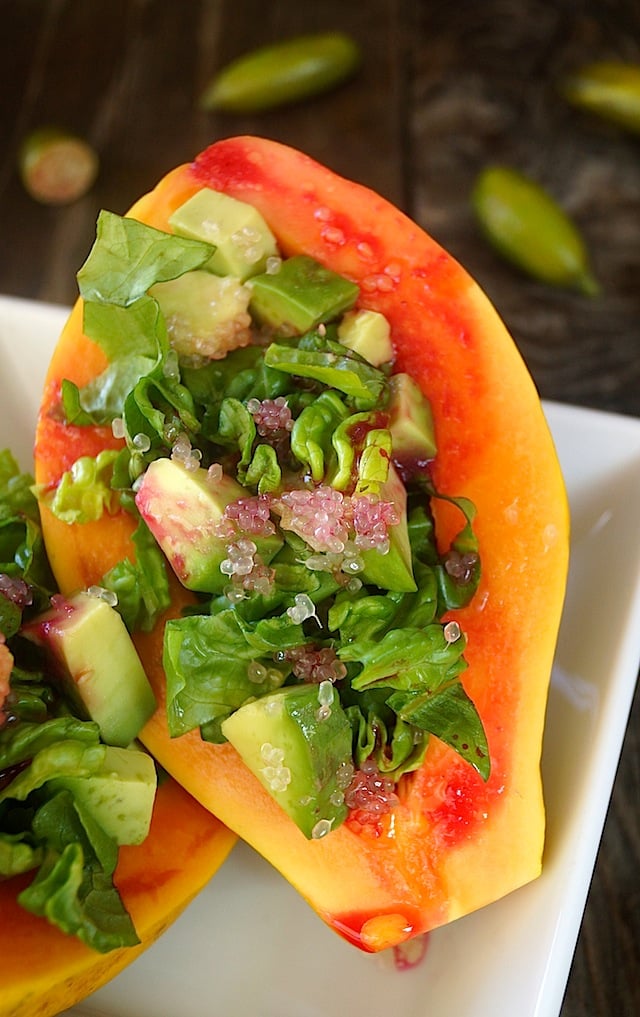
444	89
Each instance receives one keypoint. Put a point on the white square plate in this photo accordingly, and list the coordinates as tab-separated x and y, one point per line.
249	945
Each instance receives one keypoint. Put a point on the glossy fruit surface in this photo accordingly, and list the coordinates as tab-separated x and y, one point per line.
453	843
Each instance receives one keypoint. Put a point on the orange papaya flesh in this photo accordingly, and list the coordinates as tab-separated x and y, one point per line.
454	843
43	971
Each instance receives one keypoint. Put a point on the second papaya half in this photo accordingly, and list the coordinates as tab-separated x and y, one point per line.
328	431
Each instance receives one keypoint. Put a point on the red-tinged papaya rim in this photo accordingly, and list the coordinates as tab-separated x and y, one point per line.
454	843
43	971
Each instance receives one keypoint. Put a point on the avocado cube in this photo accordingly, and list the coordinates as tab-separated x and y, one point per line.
367	333
119	795
300	295
183	508
410	421
242	239
297	751
98	665
205	314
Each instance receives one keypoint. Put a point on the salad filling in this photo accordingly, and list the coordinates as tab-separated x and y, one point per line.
68	798
279	466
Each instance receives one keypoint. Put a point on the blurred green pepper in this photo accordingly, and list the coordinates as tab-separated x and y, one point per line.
610	89
528	228
282	73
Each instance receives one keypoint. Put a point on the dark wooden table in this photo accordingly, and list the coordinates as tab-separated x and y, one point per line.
444	89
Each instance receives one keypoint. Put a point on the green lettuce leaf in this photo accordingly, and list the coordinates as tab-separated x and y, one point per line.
379	734
22	550
142	586
100	401
237	430
263	473
16	497
19	743
362	617
332	365
450	714
453	592
31	699
17	856
311	437
206	658
129	257
84	492
406	659
241	375
348	440
142	382
123	332
73	889
69	757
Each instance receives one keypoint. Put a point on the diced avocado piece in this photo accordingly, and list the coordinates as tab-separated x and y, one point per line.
410	420
242	239
297	747
98	664
300	295
205	314
392	570
120	795
183	508
367	333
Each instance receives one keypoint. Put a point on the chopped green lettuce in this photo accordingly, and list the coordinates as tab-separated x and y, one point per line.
206	660
129	257
313	430
331	364
403	658
74	887
43	831
84	491
141	586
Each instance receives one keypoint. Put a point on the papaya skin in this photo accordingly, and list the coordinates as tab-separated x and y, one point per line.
454	843
43	971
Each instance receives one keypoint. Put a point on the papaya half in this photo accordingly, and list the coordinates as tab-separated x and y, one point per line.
455	842
43	971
